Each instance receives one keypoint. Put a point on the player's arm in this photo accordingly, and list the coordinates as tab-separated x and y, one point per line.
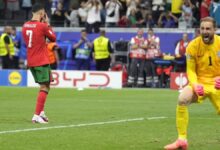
191	71
191	65
48	31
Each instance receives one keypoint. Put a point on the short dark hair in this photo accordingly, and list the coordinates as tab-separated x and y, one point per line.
83	30
102	32
14	28
209	19
36	7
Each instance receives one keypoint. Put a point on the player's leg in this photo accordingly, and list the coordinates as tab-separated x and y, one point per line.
42	76
42	96
186	97
215	99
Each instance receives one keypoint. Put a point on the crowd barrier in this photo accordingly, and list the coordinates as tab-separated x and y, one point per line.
65	79
80	79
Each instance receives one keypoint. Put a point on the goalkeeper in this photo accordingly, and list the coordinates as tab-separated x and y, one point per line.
203	63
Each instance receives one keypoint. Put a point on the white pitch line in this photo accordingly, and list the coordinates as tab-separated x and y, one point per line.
156	118
81	125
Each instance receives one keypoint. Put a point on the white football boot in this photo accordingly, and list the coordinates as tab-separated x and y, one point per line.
43	116
38	119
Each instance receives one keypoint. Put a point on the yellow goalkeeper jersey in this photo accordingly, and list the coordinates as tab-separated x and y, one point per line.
203	61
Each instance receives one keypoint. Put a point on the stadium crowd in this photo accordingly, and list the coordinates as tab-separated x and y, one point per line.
116	13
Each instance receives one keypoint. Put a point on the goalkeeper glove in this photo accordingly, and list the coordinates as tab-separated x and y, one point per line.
198	89
217	83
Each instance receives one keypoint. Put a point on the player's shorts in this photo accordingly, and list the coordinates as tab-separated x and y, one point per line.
42	74
212	94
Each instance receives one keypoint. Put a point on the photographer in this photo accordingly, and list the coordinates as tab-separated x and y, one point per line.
112	12
83	52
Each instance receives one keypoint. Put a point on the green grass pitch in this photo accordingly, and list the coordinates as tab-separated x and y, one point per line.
95	119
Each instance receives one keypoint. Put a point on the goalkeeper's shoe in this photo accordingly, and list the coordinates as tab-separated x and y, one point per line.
38	119
178	144
43	116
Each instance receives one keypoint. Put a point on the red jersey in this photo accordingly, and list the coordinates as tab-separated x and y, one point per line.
35	34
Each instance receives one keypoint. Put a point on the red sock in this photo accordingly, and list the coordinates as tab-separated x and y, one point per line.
41	99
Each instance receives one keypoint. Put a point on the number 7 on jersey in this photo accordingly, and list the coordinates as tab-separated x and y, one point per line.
29	33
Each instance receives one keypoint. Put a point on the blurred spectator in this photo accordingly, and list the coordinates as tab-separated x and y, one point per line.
7	50
102	51
139	17
132	18
215	11
48	5
13	7
146	5
176	7
187	15
204	9
83	49
58	17
94	15
73	17
2	9
137	56
26	5
158	6
150	21
153	51
112	12
131	4
103	2
53	52
69	3
82	14
180	51
123	22
54	6
167	20
168	5
16	38
123	10
195	4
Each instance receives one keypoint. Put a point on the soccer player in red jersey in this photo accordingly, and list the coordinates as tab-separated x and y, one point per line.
35	33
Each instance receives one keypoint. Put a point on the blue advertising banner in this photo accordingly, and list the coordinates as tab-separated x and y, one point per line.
13	78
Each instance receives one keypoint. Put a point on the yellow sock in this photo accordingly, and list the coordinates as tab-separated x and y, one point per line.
182	119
